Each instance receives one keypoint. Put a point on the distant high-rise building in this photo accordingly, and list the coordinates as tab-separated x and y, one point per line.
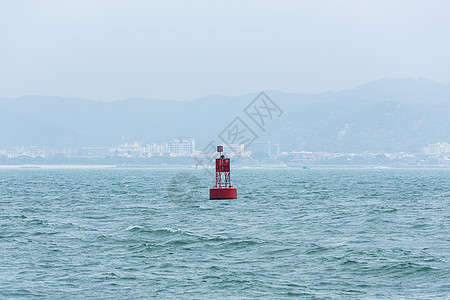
274	149
266	148
436	149
182	146
158	148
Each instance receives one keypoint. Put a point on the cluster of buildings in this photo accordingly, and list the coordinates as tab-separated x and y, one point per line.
329	158
437	149
432	154
32	152
176	147
258	152
439	152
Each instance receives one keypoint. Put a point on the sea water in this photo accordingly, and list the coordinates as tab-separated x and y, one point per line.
153	233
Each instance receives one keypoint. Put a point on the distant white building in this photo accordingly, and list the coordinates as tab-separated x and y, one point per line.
436	149
128	150
158	149
182	146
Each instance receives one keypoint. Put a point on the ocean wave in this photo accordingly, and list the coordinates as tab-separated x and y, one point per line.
167	231
173	237
402	269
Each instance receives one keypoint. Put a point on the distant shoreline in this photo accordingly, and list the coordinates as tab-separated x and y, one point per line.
367	167
57	166
30	166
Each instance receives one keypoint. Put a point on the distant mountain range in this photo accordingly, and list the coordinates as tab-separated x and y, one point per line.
386	115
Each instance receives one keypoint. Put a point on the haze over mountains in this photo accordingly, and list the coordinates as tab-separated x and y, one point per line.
387	115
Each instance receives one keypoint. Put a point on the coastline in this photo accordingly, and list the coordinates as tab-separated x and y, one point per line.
275	167
57	166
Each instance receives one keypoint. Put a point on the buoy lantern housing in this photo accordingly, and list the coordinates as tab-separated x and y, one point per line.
223	188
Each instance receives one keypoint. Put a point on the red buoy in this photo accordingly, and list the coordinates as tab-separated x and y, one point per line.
223	188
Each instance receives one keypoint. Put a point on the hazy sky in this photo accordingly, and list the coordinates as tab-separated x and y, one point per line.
108	50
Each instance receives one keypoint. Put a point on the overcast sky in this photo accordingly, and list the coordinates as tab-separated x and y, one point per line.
107	50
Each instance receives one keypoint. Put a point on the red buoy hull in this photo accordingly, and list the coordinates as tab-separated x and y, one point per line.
223	193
